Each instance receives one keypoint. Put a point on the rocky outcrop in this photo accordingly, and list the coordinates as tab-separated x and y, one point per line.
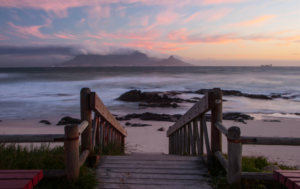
68	120
45	122
162	104
236	93
161	129
139	125
235	116
151	116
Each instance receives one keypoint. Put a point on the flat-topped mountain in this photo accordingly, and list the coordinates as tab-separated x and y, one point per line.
135	59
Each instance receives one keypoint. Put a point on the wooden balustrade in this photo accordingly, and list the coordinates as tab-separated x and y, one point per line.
104	129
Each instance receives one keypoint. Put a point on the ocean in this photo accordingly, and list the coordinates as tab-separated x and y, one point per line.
48	92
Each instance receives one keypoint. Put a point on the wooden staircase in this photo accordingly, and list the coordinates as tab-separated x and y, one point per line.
152	171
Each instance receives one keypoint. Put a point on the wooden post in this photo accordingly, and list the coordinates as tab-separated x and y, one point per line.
216	115
86	114
195	122
191	138
201	138
177	142
195	133
97	142
72	152
234	156
101	134
188	140
185	140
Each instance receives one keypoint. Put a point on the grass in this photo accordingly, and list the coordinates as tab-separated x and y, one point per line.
249	164
15	156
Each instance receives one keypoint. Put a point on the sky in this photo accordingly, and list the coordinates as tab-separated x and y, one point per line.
204	32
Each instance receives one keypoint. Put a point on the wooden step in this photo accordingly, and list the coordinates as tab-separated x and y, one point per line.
152	171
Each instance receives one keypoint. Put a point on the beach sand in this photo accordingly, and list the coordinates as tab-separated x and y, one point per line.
149	139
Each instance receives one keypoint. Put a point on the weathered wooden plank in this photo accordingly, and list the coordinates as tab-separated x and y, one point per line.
152	186
201	107
277	172
186	139
257	176
154	157
83	157
283	176
154	162
203	122
291	181
191	137
194	146
150	181
216	116
16	184
195	122
94	124
201	139
152	166
98	140
71	152
270	140
82	126
21	176
297	185
154	171
97	106
222	160
32	138
86	115
154	176
221	128
182	141
234	150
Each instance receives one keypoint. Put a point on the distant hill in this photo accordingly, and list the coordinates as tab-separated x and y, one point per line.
135	59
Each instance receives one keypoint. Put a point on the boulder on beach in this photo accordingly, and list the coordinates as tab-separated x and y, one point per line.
68	120
151	116
139	125
45	122
161	129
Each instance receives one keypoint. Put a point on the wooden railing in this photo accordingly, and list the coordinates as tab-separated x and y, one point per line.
101	131
183	138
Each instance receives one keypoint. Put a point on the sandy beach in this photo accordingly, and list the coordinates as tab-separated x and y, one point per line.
149	139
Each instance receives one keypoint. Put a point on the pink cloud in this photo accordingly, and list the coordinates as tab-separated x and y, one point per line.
137	35
141	21
209	15
2	37
154	45
98	12
31	30
65	36
209	2
255	21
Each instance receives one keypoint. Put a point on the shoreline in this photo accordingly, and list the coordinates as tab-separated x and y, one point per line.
149	139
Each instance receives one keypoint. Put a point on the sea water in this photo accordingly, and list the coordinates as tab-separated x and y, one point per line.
44	92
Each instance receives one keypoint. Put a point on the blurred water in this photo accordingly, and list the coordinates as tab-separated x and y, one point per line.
42	92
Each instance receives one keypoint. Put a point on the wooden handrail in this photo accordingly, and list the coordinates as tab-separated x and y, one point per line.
221	128
100	109
222	160
201	107
82	126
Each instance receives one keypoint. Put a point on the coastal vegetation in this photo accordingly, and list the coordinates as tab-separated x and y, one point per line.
249	164
15	156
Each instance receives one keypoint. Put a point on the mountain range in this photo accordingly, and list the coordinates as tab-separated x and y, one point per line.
135	59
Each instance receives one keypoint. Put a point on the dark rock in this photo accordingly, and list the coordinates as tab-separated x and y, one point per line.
139	125
0	120
162	104
297	114
191	101
241	120
127	123
161	129
257	96
45	121
122	118
68	120
235	93
153	116
236	115
274	120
